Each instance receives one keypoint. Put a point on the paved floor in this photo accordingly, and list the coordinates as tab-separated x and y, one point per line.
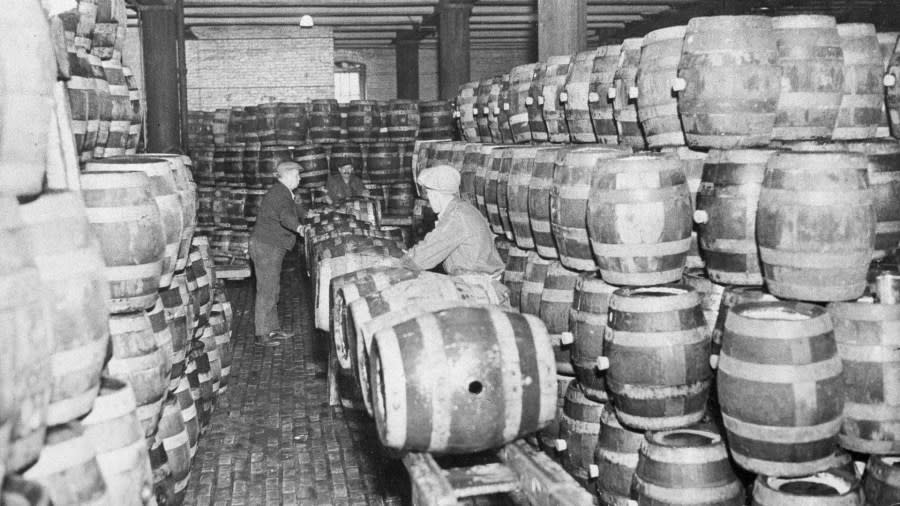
273	438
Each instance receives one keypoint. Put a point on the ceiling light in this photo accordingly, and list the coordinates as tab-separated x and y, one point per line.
306	21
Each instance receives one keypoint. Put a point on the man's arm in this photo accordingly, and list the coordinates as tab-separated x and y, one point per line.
436	246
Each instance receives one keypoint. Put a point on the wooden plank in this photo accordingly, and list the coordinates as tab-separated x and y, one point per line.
543	481
430	486
232	271
483	479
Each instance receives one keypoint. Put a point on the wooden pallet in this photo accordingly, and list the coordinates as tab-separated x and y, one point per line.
521	471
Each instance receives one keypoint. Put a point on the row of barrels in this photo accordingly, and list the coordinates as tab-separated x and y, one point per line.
323	121
629	215
718	82
95	27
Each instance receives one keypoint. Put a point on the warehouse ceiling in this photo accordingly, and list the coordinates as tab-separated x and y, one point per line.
498	23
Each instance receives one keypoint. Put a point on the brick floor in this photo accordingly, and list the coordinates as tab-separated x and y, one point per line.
273	438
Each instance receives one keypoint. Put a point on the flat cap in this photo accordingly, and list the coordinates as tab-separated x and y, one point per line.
442	178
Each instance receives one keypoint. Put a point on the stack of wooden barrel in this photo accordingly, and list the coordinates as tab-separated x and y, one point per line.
676	216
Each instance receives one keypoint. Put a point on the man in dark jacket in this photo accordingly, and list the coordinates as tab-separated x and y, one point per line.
273	235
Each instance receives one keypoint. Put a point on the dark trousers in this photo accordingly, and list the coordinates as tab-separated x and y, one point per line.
267	266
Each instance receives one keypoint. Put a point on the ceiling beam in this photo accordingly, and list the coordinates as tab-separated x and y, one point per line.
251	10
288	20
308	3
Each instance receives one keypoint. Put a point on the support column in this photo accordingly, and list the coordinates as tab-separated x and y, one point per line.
453	46
562	27
182	74
407	47
163	117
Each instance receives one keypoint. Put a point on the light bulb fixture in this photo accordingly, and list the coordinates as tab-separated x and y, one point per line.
306	21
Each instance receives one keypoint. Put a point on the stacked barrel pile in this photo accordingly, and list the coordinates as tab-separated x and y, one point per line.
103	92
237	151
701	259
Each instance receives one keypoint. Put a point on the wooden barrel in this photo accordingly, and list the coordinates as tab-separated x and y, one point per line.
269	158
120	109
233	159
809	52
313	163
344	154
638	218
465	109
403	120
587	322
222	335
569	202
686	466
887	41
646	328
574	97
250	164
235	207
616	458
492	109
137	113
21	492
480	178
338	267
178	313
502	111
865	343
481	110
126	220
732	81
523	161
252	203
202	294
138	360
503	244
187	191
579	428
624	106
533	285
363	121
71	270
188	414
729	297
556	69
266	123
168	200
657	105
163	486
116	435
710	294
816	225
83	104
539	189
519	88
599	103
104	101
468	373
204	165
557	297
292	123
492	186
534	104
173	435
726	214
383	163
203	389
860	112
24	383
68	468
207	339
435	120
472	159
324	121
514	274
400	199
692	162
881	482
786	349
834	487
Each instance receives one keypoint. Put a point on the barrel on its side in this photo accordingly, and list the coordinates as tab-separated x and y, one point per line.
68	468
834	487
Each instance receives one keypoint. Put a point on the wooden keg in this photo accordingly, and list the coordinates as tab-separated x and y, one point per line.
25	385
383	163
480	178
574	97
787	350
616	458
834	487
465	108
176	309
491	188
207	338
503	244
234	165
126	220
199	267
164	192
624	106
343	112
267	121
221	118
400	199
556	69
534	104
235	208
468	374
860	112
115	434
137	113
250	164
344	154
251	206
492	109
163	334
692	162
105	108
657	71
292	123
403	120
710	294
519	88
599	103
646	328
204	165
533	285
175	441
539	189
324	121
188	414
139	360
557	297
163	486
638	219
203	389
685	466
68	468
502	111
120	109
363	121
731	81
187	191
865	342
514	274
587	322
71	270
472	159
732	296
313	163
809	53
222	335
521	169
887	41
269	158
569	202
481	110
579	428
816	225
435	120
19	491
726	214
83	105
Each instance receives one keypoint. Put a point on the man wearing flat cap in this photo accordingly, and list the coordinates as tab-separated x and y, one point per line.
462	239
344	185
